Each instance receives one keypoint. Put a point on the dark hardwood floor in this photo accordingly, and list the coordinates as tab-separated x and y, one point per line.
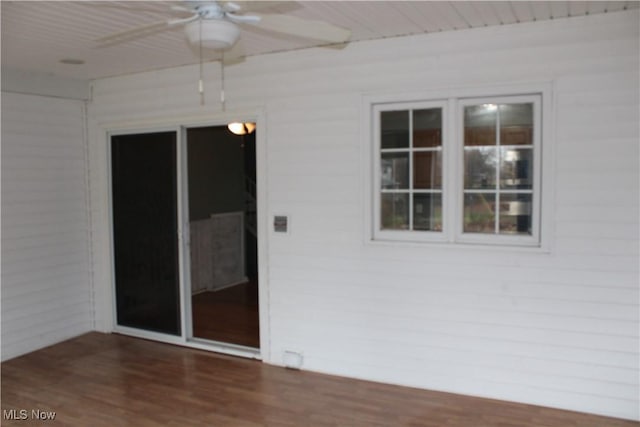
229	315
112	380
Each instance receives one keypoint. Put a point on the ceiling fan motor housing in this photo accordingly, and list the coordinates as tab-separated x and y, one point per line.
216	33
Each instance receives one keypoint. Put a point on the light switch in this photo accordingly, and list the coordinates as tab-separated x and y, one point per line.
280	223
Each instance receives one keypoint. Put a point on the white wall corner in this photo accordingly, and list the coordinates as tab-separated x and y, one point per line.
37	83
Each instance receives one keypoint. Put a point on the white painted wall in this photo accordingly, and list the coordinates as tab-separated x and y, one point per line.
46	291
44	84
557	328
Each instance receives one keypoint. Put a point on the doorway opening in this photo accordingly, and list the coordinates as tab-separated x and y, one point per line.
223	243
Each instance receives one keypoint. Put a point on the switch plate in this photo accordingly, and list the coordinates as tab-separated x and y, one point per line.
281	224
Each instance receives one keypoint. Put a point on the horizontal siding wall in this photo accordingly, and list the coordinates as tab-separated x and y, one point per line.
45	242
558	328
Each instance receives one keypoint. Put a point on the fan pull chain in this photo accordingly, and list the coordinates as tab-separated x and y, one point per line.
222	100
201	82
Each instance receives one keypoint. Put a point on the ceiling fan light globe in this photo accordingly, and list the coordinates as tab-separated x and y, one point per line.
216	34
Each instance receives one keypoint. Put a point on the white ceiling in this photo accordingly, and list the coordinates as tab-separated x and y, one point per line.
36	35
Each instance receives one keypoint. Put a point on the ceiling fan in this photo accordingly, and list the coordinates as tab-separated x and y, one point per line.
214	25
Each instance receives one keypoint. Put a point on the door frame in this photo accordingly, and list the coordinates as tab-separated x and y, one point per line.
180	126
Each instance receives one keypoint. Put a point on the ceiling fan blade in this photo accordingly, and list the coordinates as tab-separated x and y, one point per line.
258	6
174	22
230	6
130	6
242	19
176	8
132	33
292	25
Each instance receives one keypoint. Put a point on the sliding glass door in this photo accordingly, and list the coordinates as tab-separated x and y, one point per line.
185	240
145	231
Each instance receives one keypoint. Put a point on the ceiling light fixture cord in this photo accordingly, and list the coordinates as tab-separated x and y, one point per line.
200	82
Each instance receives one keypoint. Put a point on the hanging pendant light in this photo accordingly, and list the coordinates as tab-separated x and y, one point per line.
239	128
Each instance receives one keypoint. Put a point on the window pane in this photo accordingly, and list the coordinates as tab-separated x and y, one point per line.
427	128
516	168
516	124
479	213
394	129
394	211
427	170
480	168
394	170
480	124
427	212
515	214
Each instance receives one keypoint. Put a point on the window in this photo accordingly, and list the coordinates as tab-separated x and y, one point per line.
471	177
411	169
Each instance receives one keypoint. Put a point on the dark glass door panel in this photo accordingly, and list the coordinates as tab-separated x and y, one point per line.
223	232
145	224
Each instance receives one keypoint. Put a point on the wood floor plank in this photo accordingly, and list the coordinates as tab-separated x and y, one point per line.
229	315
112	380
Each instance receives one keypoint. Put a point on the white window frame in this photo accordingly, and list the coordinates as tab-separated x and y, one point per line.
452	102
504	239
402	234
